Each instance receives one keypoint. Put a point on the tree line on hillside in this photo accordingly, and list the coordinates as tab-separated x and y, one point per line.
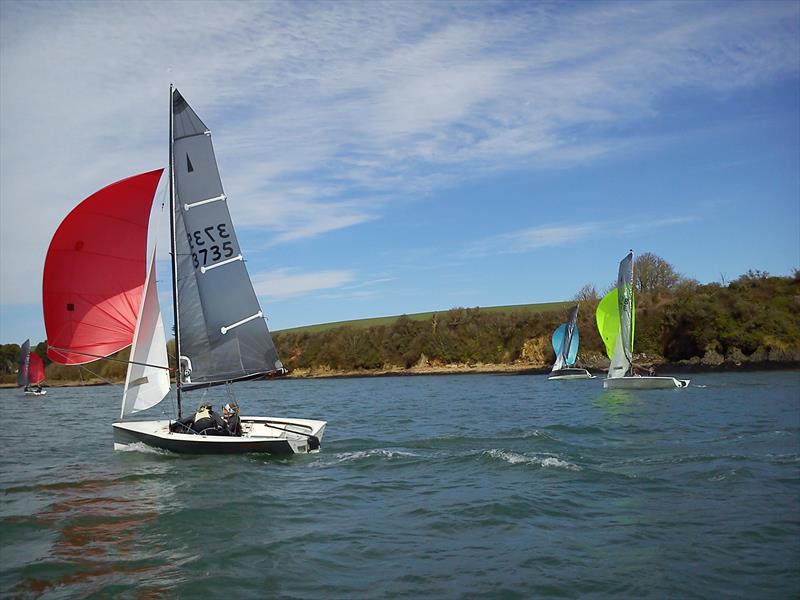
755	317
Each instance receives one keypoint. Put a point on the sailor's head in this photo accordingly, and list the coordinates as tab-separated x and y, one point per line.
230	408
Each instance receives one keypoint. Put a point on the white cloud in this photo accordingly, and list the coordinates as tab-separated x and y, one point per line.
284	283
529	239
534	238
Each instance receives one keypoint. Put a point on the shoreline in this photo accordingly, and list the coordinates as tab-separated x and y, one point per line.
481	369
501	369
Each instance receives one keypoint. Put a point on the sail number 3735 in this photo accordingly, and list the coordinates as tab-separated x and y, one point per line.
208	245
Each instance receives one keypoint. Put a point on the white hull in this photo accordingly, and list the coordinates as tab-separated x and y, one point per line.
259	434
644	383
566	374
32	393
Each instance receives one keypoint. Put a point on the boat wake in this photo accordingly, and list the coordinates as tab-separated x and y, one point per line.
365	455
543	461
145	449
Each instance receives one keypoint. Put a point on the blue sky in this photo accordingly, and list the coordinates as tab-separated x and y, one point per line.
391	157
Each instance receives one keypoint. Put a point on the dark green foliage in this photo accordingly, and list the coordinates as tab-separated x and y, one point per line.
754	312
426	316
460	335
9	354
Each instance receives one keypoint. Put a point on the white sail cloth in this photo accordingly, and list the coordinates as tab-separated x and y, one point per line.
147	381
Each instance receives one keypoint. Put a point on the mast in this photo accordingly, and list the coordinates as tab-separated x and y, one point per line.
174	244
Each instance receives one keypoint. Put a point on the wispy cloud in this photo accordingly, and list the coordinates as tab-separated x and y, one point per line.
630	228
285	283
534	238
359	291
530	239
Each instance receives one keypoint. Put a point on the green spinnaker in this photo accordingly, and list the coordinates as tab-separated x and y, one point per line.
608	324
608	321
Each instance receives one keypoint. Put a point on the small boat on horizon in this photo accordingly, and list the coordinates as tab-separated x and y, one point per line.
30	374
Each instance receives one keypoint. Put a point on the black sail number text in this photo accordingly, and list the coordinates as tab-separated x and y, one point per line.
209	245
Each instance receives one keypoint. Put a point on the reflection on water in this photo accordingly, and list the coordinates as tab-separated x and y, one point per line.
616	399
105	531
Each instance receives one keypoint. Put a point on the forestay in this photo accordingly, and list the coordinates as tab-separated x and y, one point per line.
223	333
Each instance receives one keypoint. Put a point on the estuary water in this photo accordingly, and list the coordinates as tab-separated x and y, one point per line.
463	486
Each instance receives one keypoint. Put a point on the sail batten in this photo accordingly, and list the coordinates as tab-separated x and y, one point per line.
187	207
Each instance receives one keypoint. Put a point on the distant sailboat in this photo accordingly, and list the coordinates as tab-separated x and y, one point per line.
616	320
30	374
100	297
566	340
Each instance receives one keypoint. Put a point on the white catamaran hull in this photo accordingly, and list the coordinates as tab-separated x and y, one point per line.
259	434
565	374
644	383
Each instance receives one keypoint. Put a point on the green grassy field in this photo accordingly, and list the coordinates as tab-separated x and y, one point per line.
425	316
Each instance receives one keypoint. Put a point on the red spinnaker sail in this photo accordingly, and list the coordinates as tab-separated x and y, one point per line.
95	270
36	369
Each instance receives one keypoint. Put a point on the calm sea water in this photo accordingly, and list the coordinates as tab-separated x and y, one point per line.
426	487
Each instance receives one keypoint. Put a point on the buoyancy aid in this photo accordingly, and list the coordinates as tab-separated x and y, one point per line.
202	419
204	412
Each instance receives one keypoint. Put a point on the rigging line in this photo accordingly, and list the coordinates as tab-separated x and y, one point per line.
108	381
65	352
81	368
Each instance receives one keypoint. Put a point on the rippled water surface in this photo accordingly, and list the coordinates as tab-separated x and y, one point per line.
426	487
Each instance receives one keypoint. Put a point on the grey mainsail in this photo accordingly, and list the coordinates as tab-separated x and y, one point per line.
24	364
223	333
625	299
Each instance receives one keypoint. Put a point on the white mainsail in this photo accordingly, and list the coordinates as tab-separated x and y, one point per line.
147	381
616	320
620	365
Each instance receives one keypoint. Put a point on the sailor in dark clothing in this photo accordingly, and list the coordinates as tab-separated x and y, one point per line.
208	422
204	421
230	414
183	425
